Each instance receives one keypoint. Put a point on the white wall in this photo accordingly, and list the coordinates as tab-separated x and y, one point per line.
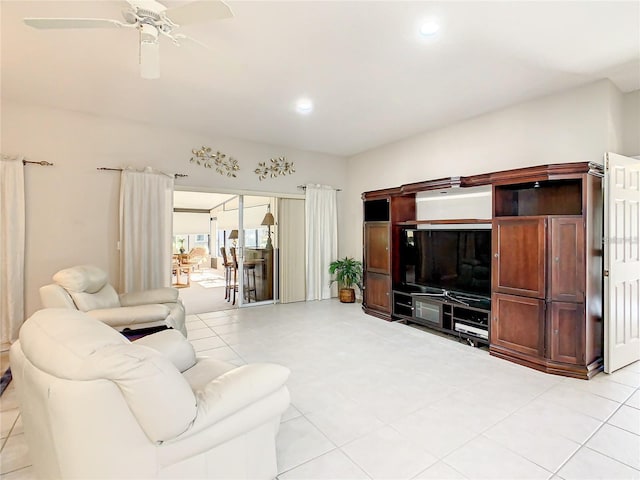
72	208
631	124
573	126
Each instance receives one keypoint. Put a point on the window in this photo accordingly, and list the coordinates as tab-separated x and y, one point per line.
184	243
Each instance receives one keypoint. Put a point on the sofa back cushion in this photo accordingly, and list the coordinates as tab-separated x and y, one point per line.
105	298
88	286
70	344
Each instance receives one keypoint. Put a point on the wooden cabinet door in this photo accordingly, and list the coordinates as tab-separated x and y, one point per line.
567	260
566	332
517	323
376	245
519	256
378	292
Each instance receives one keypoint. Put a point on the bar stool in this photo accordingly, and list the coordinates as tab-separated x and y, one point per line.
229	273
249	272
233	287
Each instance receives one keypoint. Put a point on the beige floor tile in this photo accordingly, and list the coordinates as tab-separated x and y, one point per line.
393	371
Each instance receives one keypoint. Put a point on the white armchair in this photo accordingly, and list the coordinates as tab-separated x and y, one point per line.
86	288
95	405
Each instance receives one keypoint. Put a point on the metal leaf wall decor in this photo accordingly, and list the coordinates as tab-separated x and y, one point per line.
224	165
277	166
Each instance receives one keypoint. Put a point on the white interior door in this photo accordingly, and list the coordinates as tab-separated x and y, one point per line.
622	262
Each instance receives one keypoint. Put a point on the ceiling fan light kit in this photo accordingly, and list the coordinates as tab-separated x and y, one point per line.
150	67
152	19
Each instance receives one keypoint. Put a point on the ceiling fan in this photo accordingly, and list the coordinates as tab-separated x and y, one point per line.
151	19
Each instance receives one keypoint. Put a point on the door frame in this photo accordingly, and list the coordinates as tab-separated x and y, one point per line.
619	355
241	194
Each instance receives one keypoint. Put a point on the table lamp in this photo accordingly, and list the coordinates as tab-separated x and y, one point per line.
268	220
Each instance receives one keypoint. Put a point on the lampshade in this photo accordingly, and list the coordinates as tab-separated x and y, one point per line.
268	219
233	235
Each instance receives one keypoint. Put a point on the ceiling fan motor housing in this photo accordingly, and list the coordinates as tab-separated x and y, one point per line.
148	33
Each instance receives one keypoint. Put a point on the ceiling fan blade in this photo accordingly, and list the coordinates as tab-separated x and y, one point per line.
149	60
73	23
199	11
150	5
181	36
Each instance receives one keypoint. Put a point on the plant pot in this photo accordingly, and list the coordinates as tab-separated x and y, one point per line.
347	295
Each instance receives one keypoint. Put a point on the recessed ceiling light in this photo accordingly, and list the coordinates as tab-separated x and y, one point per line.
429	29
304	106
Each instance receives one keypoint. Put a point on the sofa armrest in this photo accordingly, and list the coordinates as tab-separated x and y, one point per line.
237	389
122	316
156	295
172	344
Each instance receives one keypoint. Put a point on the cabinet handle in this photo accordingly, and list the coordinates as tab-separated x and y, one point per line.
556	259
387	294
495	319
495	255
555	332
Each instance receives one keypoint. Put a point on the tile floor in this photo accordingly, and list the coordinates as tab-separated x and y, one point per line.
372	399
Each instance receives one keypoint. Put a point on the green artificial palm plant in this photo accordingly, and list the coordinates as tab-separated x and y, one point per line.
348	273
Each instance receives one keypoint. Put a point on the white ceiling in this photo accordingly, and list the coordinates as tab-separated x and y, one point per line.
371	77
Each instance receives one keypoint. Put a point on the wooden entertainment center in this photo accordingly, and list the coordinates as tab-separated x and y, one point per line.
545	309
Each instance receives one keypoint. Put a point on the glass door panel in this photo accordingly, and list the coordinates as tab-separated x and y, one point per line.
257	258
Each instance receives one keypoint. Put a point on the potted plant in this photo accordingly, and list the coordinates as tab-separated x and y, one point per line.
348	273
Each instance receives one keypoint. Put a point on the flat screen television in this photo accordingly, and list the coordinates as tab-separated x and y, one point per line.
452	260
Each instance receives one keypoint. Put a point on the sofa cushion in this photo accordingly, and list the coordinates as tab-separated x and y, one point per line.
69	344
104	298
83	278
156	392
130	316
59	340
145	297
171	344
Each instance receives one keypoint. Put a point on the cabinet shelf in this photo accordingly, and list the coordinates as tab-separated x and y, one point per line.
440	314
546	197
471	322
376	210
457	221
382	210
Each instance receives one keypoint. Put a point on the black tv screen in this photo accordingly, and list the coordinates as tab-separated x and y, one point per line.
455	260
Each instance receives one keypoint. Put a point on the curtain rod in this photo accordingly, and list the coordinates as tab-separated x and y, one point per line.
304	187
43	163
175	175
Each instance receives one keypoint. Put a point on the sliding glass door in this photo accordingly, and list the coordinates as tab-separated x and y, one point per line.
257	255
247	235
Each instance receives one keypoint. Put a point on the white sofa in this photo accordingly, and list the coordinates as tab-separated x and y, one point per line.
86	288
95	405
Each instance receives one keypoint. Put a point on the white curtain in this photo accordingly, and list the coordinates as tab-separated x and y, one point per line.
12	235
321	229
146	210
